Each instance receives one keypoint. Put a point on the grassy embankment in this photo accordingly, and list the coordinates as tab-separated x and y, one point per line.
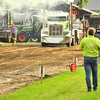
66	86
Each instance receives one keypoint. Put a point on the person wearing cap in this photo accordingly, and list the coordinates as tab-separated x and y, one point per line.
90	47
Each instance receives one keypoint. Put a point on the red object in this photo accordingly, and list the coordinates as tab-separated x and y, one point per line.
1	16
73	68
85	28
74	12
22	37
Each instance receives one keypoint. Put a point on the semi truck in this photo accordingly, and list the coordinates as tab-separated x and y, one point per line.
57	30
6	18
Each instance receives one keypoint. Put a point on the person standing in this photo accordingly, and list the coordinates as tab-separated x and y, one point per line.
90	47
13	31
85	27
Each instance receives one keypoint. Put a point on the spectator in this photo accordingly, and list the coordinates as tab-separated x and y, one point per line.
13	31
90	47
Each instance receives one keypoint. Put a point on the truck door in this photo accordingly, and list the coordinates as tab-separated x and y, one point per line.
36	24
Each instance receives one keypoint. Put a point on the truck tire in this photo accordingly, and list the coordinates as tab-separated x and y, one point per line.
39	36
33	40
67	44
45	44
22	37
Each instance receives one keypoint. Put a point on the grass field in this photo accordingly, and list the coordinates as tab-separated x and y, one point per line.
66	86
21	43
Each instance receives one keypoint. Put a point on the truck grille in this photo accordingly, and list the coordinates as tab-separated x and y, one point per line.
55	29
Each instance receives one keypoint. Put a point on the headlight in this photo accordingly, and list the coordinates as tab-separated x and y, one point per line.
45	32
66	32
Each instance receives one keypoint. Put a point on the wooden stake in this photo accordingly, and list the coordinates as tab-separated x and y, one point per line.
71	20
41	73
75	61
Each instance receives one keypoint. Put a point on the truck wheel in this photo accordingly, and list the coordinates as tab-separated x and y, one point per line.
22	37
33	40
67	44
39	36
44	44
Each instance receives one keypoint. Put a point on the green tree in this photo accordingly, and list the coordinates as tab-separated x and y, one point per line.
81	3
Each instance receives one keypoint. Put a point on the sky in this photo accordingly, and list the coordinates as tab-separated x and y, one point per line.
20	3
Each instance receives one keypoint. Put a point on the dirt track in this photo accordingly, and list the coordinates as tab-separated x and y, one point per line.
19	64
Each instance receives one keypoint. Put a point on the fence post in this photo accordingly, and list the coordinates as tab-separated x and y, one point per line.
41	73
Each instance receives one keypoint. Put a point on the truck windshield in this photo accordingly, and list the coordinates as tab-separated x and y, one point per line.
31	13
3	18
56	18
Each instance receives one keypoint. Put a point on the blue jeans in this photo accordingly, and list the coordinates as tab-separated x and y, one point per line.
13	35
91	63
84	33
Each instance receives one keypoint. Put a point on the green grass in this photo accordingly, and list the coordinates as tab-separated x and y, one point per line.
21	43
66	86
